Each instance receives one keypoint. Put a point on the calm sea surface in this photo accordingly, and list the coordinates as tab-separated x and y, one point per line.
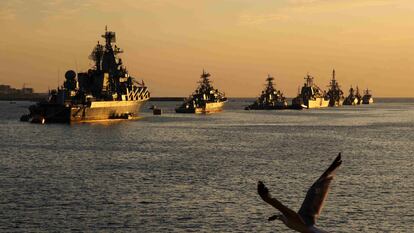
198	173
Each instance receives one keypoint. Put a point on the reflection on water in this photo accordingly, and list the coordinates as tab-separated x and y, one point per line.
198	173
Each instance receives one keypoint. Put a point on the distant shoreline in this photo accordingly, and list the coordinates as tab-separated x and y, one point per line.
166	98
24	97
42	96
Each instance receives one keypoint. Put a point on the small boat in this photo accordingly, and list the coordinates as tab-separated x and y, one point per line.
157	111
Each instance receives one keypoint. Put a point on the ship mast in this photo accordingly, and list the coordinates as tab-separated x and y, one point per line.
309	80
334	85
205	83
269	79
269	87
351	91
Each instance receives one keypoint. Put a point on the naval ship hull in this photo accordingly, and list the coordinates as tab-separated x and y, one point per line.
367	100
336	103
94	111
351	101
277	106
208	108
317	103
314	103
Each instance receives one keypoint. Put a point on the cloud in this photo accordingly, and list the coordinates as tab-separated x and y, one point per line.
7	15
42	10
294	8
252	19
349	3
8	10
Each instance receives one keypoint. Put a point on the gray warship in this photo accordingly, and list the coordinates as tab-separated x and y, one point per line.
310	96
335	94
269	99
205	99
354	97
367	98
106	91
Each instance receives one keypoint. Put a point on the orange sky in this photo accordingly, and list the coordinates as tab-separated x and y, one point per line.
167	43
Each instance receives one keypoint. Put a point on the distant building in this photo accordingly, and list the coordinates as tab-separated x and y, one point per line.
27	90
5	89
8	90
26	93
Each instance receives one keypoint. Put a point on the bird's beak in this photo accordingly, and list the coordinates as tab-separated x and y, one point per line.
272	218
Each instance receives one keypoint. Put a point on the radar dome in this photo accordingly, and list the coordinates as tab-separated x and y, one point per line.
70	74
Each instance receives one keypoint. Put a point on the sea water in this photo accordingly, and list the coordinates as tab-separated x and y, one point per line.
199	173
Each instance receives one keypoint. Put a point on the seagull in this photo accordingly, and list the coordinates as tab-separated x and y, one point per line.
304	220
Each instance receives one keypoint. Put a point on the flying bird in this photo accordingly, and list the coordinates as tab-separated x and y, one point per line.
304	220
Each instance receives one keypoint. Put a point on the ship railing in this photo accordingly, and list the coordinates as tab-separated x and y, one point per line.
138	93
144	94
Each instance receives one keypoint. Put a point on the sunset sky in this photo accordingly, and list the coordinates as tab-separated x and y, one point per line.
167	43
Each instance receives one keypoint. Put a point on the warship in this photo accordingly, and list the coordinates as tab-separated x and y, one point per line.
205	99
106	91
367	98
335	94
354	98
310	96
269	99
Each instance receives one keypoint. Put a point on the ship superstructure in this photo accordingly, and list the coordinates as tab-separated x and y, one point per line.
367	98
335	94
205	98
106	91
271	98
354	97
310	96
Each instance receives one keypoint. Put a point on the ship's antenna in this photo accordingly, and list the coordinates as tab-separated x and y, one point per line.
333	74
76	64
58	78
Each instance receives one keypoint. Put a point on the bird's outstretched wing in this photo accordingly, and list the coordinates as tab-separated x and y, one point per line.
265	195
317	193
